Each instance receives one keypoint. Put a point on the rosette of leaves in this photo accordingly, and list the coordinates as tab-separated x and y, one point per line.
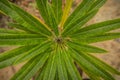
52	46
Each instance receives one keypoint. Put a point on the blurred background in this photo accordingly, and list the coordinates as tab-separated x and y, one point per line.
110	10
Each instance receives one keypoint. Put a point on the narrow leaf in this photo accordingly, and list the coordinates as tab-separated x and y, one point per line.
20	27
51	68
57	7
73	27
66	12
38	50
9	31
20	39
21	16
86	48
72	70
9	57
62	71
81	10
98	28
102	64
30	68
97	4
90	67
99	38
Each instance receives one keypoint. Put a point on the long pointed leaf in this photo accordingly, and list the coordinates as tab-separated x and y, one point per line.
57	7
99	38
79	11
20	39
8	31
86	48
90	67
39	49
9	57
20	27
69	29
66	12
71	67
22	17
98	28
51	68
62	73
30	68
102	64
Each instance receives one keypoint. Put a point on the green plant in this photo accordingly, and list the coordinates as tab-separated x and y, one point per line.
52	47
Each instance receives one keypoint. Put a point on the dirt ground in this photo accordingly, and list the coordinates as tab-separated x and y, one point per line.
110	10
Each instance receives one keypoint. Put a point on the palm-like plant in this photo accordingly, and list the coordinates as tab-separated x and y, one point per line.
53	46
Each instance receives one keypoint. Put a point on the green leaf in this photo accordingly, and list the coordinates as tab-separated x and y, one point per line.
104	70
22	17
66	12
85	7
99	38
62	70
47	14
89	67
42	7
41	72
97	29
102	64
31	20
86	48
97	4
50	70
20	39
69	29
20	27
9	31
79	12
52	19
57	7
30	68
9	57
38	50
72	70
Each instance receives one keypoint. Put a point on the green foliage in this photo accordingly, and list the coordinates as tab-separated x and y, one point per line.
52	47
